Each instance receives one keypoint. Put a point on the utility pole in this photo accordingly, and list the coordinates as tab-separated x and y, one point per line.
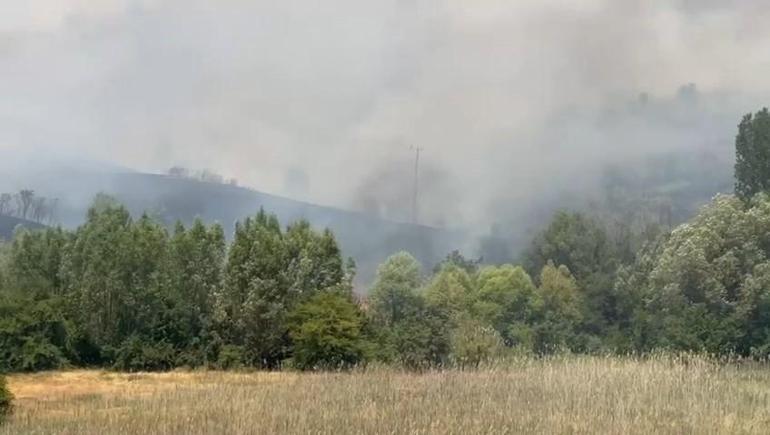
415	193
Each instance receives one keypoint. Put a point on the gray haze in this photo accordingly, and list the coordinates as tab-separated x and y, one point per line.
511	100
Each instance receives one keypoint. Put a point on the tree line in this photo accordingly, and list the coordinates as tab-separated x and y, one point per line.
26	205
204	175
129	294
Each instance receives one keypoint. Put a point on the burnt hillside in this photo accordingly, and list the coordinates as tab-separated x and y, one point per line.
9	223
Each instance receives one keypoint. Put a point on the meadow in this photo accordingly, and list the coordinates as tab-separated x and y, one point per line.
557	395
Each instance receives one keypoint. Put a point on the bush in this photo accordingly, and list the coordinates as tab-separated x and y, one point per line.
5	399
32	335
474	343
137	355
421	341
230	357
326	333
37	354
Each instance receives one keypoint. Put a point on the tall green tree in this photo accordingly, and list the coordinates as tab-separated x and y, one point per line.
411	332
394	294
507	301
96	272
633	331
581	244
35	260
34	331
268	273
195	275
255	299
112	273
451	292
752	155
314	259
560	313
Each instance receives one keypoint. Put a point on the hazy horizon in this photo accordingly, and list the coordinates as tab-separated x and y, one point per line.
509	102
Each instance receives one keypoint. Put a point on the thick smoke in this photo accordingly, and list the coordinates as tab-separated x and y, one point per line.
511	101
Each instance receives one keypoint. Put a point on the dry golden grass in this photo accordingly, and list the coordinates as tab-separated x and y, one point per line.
563	395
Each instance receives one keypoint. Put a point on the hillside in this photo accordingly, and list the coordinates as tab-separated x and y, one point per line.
9	223
368	240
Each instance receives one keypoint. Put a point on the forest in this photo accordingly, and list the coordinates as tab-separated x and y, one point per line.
129	294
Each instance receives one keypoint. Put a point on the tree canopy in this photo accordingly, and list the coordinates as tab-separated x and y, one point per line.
704	288
752	155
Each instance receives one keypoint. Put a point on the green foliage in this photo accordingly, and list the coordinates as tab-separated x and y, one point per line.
230	357
705	288
508	302
559	293
394	294
555	328
195	274
633	331
594	251
314	260
451	291
474	343
420	340
33	334
35	259
122	292
6	399
37	353
326	333
112	272
752	155
582	245
575	241
268	273
140	354
414	333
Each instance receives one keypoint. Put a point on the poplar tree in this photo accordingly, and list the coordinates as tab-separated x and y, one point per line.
752	155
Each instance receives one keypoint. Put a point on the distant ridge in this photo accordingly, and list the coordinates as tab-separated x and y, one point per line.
8	225
368	239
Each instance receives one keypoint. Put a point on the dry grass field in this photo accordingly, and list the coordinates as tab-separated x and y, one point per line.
563	395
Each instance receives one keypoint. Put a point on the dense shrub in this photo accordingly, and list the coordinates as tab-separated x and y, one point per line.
421	340
326	333
230	357
136	354
474	343
33	335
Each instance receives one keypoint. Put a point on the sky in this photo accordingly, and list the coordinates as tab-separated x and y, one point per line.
503	97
